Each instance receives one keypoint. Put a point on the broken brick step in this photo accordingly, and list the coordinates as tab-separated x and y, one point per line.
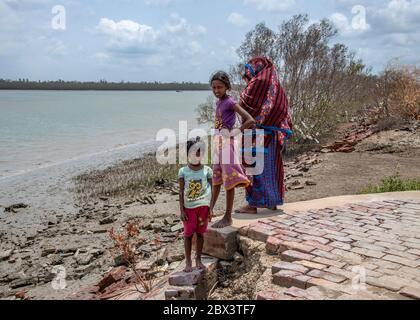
220	243
193	285
186	278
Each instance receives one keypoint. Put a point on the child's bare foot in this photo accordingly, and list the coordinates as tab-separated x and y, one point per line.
199	264
247	210
188	267
225	222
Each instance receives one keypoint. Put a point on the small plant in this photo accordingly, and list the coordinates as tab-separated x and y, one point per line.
125	244
393	183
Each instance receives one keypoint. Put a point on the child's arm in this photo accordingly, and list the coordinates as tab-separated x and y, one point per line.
248	120
181	199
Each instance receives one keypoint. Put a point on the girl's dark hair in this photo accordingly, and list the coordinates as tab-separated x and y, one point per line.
221	76
193	142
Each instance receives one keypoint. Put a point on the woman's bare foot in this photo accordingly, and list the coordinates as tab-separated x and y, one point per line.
199	265
225	222
188	267
273	208
247	210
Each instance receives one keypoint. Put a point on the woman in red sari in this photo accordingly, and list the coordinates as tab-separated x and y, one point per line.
265	99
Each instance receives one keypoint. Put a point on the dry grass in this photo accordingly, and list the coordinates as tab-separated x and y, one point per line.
126	180
398	92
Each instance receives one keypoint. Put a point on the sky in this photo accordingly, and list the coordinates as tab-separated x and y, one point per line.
182	40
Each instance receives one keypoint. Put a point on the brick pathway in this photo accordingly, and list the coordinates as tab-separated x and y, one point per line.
362	251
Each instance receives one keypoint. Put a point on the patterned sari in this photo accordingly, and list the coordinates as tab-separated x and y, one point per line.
265	99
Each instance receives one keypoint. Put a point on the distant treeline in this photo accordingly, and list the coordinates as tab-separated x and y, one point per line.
25	84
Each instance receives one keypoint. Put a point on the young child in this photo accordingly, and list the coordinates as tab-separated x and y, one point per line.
195	183
228	173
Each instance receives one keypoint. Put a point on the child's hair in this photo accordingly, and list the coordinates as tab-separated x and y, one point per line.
193	142
221	76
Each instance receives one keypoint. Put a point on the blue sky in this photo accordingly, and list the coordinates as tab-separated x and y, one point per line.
182	40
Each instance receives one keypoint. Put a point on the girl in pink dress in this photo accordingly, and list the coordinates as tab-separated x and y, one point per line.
227	170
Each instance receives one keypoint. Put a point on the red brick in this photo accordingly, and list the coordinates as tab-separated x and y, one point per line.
288	266
403	261
401	254
414	251
220	243
291	256
286	238
314	238
348	256
186	279
410	292
324	254
324	284
327	276
260	233
368	253
368	246
243	231
329	262
318	245
287	233
341	272
296	293
346	239
327	223
271	295
311	265
296	246
340	245
272	245
384	283
310	232
112	277
286	278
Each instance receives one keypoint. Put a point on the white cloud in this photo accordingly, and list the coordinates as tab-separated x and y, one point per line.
272	5
128	39
237	19
179	25
127	30
397	16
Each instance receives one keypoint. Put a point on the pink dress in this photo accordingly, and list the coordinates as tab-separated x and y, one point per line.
227	166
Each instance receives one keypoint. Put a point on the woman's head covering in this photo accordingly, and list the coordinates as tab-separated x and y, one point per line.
264	97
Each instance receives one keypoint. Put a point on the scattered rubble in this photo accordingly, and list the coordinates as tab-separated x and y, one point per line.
347	145
15	207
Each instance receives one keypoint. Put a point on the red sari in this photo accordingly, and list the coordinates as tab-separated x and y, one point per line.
265	99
